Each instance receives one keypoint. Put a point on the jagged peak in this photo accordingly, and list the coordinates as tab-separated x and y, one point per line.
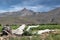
24	9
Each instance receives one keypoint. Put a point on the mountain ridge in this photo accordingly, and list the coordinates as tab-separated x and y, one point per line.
30	17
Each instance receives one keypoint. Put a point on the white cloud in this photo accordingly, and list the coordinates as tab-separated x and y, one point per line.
11	9
2	11
37	8
40	8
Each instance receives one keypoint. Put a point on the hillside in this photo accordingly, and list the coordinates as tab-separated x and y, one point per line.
30	17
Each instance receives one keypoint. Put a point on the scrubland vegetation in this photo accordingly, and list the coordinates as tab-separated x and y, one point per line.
42	27
36	37
50	37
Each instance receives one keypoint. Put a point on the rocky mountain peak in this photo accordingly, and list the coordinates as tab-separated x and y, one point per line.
24	9
25	12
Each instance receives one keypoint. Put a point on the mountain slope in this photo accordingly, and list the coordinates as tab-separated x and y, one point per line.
30	17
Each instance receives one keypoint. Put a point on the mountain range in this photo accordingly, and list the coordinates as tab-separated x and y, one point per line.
26	16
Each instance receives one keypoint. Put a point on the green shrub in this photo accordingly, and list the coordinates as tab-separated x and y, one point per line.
26	33
42	27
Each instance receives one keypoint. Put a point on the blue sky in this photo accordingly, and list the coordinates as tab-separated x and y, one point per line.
35	5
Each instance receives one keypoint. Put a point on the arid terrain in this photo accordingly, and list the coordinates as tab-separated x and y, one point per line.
26	16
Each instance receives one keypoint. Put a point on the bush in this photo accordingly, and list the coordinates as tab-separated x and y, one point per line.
42	27
26	33
0	25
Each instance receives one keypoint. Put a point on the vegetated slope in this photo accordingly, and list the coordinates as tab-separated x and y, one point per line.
30	17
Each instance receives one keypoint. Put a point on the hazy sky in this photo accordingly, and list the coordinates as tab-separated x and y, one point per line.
36	5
